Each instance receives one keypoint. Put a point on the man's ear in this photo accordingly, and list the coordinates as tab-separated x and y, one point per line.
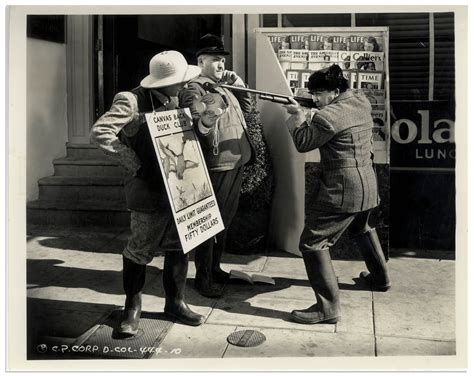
200	61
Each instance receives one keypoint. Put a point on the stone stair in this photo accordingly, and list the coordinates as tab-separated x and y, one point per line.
86	189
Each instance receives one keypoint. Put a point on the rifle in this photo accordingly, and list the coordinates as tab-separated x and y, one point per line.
276	98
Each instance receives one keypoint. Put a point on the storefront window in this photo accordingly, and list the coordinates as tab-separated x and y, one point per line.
269	20
409	59
444	56
316	20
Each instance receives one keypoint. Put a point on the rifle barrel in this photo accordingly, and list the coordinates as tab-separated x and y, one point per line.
238	88
277	98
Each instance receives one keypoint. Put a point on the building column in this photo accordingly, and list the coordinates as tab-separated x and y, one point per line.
80	84
253	22
238	46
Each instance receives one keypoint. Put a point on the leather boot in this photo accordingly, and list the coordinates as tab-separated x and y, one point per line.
203	261
371	250
219	275
174	282
133	282
324	283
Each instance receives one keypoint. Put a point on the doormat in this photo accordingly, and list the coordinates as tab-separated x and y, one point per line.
105	343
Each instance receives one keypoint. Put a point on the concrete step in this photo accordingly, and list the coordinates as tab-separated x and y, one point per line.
79	213
84	151
73	166
77	188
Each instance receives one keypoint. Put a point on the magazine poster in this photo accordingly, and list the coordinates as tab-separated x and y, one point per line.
379	130
284	57
351	78
362	60
376	98
299	42
315	42
322	59
327	43
305	78
299	59
339	43
293	78
190	193
369	80
372	61
278	41
355	43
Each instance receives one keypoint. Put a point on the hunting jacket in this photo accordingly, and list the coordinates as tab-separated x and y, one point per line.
122	134
342	131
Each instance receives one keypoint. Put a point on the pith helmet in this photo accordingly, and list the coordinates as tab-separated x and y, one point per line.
169	68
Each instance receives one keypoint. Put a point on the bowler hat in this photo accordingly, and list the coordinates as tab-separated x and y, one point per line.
211	44
169	68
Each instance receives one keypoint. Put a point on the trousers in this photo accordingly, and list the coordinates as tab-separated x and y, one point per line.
151	232
322	230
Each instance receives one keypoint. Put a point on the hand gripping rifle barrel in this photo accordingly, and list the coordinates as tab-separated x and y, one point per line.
264	95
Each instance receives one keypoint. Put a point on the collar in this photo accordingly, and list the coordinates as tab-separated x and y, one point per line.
203	79
347	94
167	102
164	100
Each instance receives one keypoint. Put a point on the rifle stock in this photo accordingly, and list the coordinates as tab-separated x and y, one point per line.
264	95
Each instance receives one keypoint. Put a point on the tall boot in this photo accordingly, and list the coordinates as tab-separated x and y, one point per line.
203	282
133	282
219	275
324	283
371	250
174	282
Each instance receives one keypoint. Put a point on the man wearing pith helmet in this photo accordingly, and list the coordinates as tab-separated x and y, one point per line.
123	135
226	147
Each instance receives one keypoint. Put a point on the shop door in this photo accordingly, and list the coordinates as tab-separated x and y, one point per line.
125	45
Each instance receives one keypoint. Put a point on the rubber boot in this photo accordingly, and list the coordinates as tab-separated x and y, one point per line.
324	283
174	282
219	275
133	282
203	261
371	250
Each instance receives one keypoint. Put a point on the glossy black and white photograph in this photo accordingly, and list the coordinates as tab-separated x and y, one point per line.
328	136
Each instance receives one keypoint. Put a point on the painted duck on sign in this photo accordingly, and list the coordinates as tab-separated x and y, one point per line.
173	161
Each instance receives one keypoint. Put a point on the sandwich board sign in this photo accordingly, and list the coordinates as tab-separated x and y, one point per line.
189	188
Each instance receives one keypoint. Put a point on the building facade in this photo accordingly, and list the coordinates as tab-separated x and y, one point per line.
76	63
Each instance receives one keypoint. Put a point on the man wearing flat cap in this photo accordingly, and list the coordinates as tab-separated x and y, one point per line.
226	147
122	134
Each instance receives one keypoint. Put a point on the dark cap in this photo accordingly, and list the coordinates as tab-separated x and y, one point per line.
211	44
330	78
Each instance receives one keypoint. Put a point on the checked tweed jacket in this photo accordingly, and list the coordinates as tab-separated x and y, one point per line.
342	131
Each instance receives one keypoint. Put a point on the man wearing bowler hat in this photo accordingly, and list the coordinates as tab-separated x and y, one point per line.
226	147
122	134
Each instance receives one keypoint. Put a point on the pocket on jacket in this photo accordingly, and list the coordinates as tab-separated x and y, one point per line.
331	190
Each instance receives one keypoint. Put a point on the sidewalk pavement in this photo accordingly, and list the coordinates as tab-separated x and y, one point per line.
75	289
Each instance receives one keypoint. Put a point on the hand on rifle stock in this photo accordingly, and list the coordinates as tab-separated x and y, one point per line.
293	107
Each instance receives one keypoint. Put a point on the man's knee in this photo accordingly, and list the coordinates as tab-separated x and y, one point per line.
315	246
138	256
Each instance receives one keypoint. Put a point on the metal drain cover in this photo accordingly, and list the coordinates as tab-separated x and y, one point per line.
246	338
105	343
